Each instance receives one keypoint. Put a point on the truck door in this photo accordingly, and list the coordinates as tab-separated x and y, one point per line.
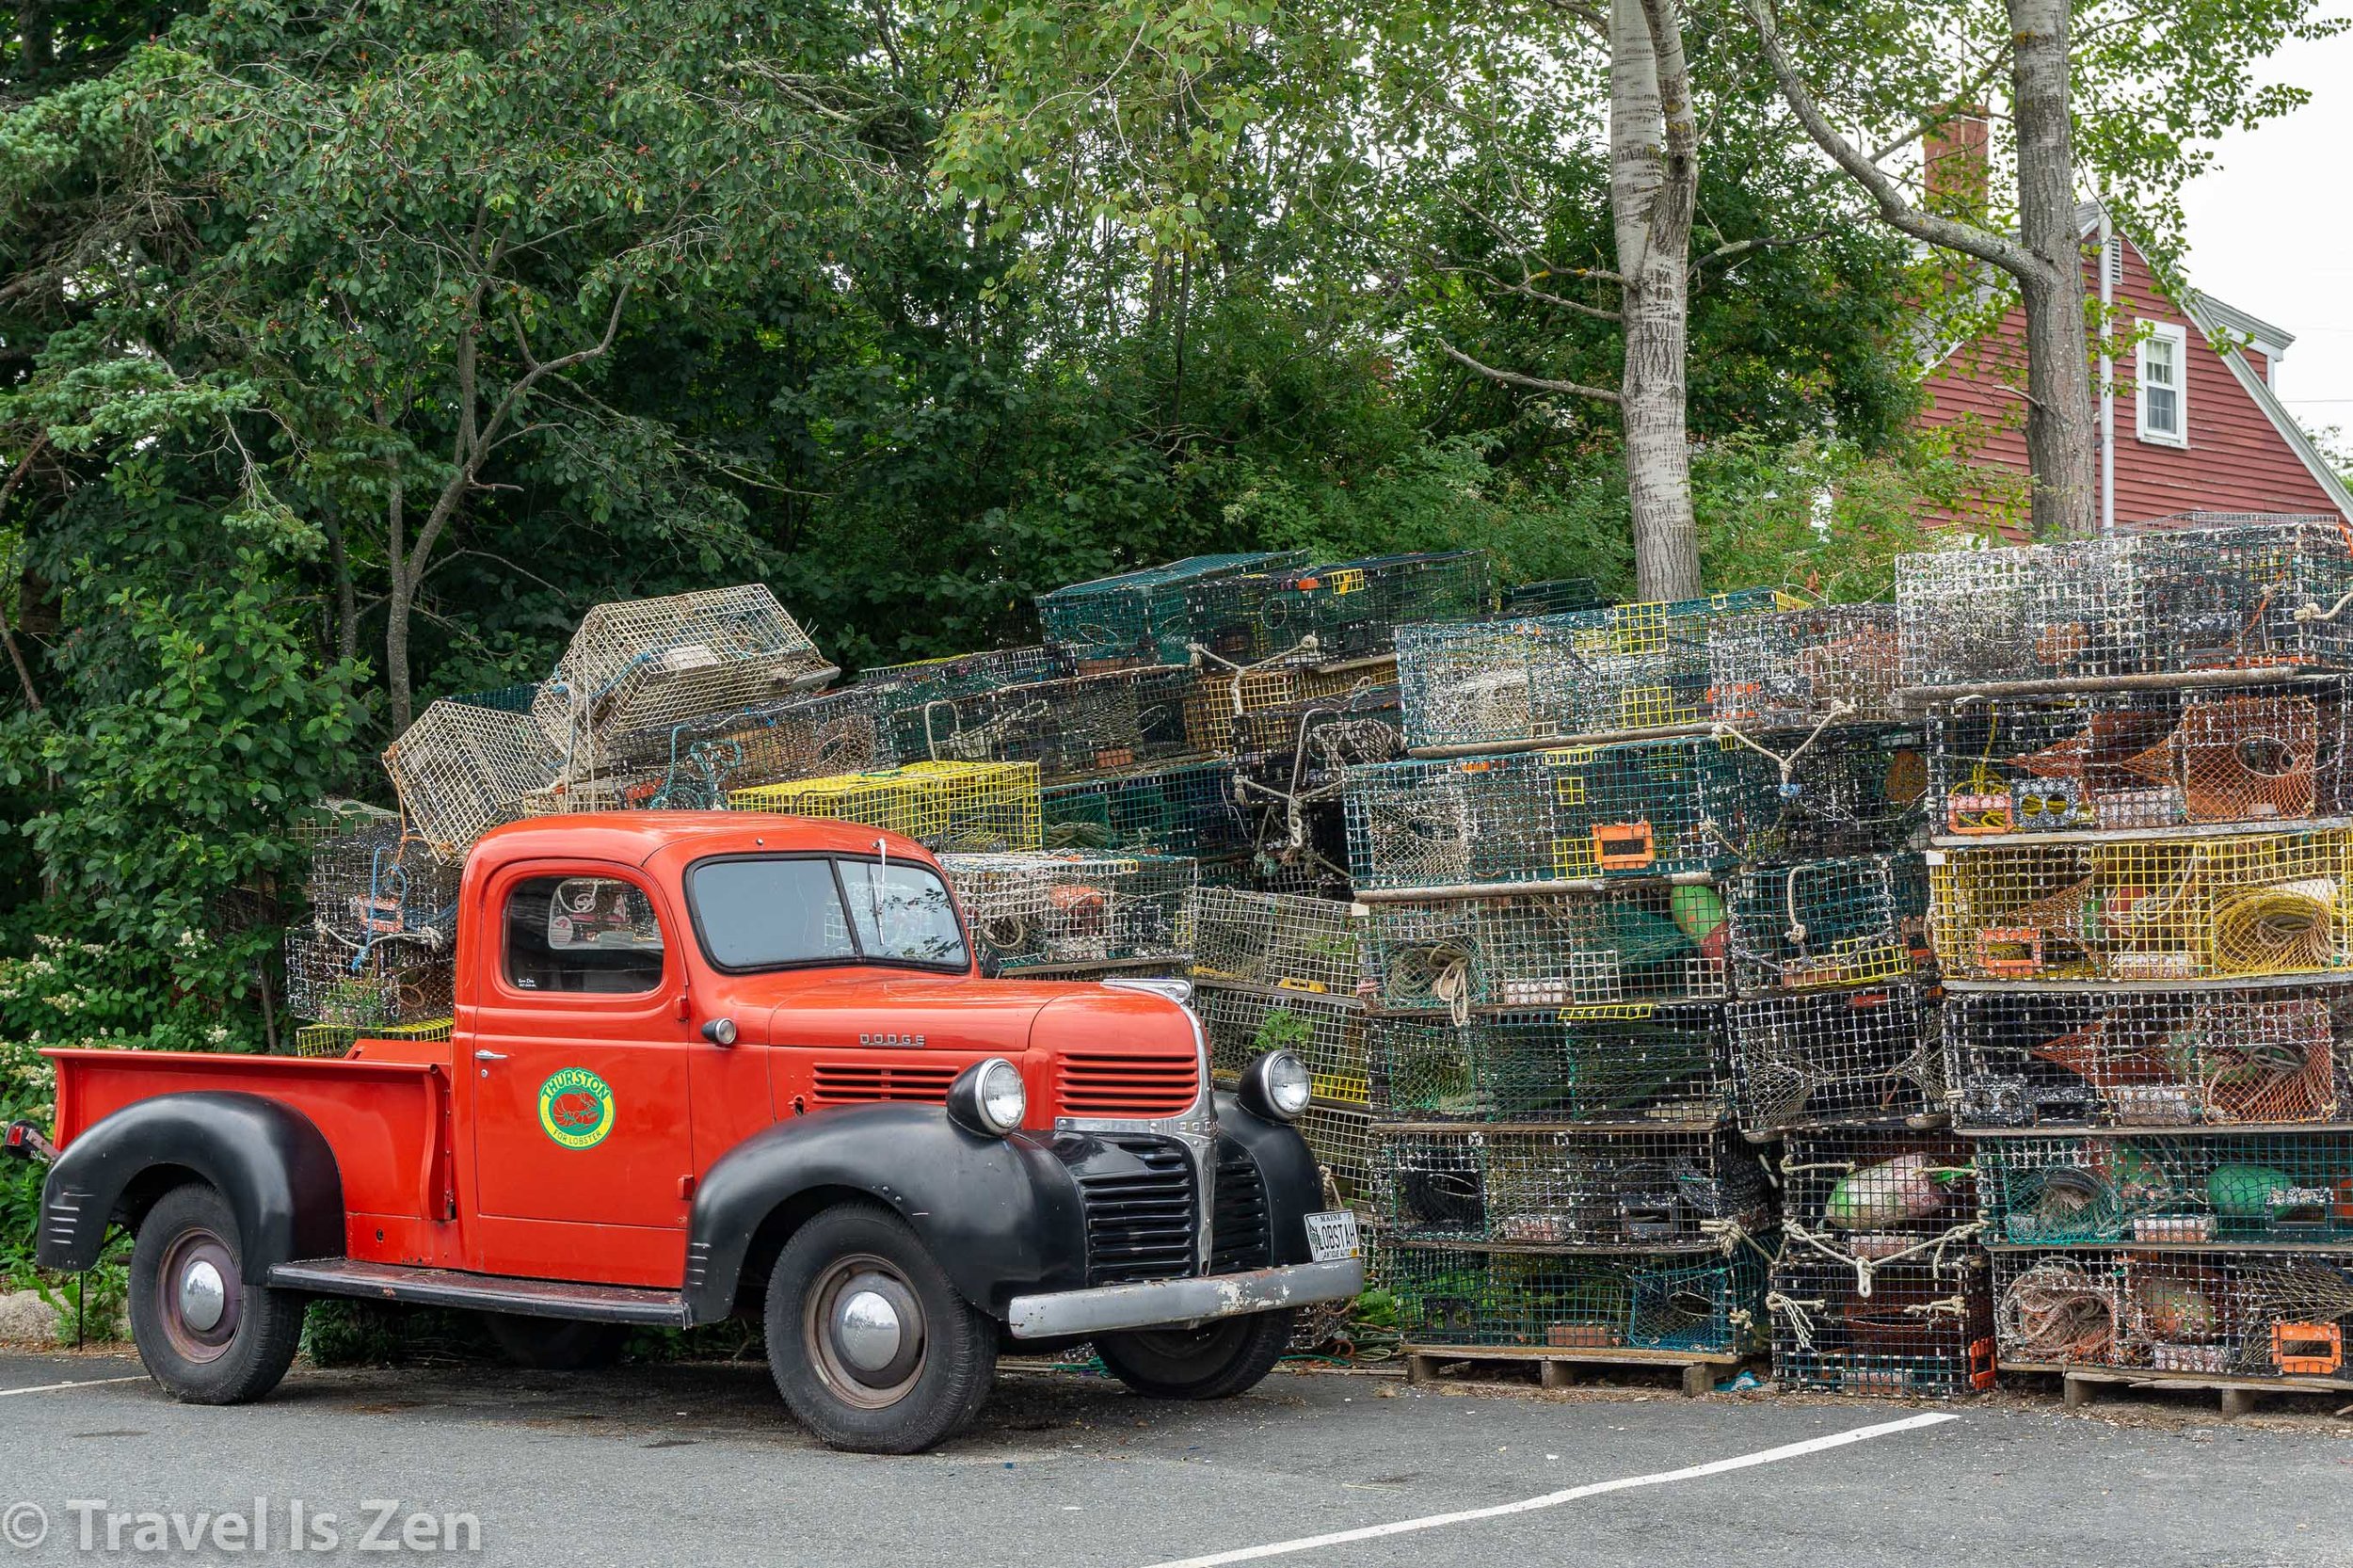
580	1066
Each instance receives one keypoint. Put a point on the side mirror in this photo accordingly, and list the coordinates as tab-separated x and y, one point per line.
720	1032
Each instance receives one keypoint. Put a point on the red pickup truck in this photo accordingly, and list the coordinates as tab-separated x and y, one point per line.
714	1064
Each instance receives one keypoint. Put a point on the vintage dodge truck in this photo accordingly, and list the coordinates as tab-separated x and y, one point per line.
709	1065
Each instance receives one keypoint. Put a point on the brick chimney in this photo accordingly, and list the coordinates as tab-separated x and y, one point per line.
1956	154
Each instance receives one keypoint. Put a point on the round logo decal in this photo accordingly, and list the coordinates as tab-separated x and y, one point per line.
576	1108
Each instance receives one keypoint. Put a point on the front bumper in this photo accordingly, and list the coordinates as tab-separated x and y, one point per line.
1165	1302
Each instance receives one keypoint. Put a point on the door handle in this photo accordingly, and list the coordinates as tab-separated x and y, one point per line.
489	1056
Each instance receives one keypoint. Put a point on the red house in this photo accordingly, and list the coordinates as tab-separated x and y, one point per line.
2190	424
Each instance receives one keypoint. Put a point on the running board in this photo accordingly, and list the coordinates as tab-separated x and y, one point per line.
529	1298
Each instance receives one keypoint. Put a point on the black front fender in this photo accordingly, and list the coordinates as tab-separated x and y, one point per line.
271	1163
1000	1215
1287	1168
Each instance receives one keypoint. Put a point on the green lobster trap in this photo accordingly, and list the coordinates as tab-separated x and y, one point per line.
1335	613
1172	808
2167	1189
1869	1056
703	760
1139	616
1827	923
1634	946
1661	1190
1072	910
1660	1064
1458	1296
1069	728
1919	1330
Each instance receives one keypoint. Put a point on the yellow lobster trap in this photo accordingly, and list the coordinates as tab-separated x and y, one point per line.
2155	909
977	806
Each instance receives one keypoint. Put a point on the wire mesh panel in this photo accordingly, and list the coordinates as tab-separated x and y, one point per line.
702	761
375	883
1637	945
1325	1031
2167	1189
1276	940
1071	728
1069	909
1671	1302
1340	1138
338	1039
1306	750
1180	808
900	688
1642	808
2143	759
980	806
1867	1198
1793	669
462	770
1857	1056
2122	1058
1663	1064
2240	1315
1662	1188
1346	610
1827	922
651	663
1554	596
330	818
1139	616
1220	698
1913	1330
1853	790
2143	909
331	980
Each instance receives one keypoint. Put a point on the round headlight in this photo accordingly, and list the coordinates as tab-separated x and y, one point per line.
1276	1085
1003	1101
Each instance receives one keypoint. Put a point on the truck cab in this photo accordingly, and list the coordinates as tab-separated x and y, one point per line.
714	1064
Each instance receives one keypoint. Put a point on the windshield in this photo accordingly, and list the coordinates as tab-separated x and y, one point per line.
765	912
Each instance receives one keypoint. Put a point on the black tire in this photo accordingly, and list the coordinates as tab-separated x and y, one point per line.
934	1380
555	1344
239	1355
1215	1361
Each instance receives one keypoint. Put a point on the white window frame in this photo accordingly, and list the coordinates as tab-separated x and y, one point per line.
2178	336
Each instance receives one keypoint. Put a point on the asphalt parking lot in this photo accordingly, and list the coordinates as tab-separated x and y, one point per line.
699	1463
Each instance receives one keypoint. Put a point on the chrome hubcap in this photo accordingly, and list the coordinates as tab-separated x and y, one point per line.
866	1326
203	1297
863	1331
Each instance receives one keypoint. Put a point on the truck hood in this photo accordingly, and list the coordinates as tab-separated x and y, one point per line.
988	1017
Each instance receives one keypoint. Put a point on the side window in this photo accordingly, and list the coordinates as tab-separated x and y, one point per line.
575	934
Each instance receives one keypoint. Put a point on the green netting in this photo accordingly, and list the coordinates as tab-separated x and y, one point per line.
2167	1189
1554	1065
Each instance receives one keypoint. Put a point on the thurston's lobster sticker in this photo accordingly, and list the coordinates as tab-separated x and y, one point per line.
576	1108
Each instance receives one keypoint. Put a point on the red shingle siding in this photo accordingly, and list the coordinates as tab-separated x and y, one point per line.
2236	460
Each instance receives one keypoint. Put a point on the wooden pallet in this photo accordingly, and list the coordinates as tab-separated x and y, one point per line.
2082	1384
1699	1369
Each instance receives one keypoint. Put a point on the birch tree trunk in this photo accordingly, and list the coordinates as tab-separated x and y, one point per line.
2061	453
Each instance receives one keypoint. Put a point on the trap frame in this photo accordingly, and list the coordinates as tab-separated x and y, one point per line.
1844	790
1667	1301
1325	1031
1644	808
1074	909
976	807
2144	909
1340	1137
705	760
375	883
1139	616
1279	941
2139	760
331	980
1333	614
461	770
1658	1189
1664	1065
1070	728
1818	924
1795	668
1913	1330
2171	1191
1637	945
1869	1056
2242	1315
1174	808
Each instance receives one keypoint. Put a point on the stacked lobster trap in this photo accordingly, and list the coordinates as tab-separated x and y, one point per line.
2141	900
1069	913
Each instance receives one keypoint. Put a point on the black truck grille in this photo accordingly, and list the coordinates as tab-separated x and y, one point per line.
1238	1237
1142	1215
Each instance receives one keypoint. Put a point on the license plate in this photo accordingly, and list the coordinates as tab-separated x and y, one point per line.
1331	1236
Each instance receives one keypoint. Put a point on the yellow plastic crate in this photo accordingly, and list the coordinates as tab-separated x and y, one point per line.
975	807
338	1039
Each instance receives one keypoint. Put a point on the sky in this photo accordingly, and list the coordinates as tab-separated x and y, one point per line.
2270	230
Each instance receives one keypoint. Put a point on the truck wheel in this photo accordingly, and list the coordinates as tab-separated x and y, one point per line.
555	1344
207	1334
1214	1361
872	1347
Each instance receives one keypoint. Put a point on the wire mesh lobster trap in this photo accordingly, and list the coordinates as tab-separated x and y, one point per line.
1821	923
1303	752
337	1039
1554	595
1665	1065
2127	1059
2167	1189
1642	808
375	883
2146	909
1865	1198
1633	946
900	688
1796	668
649	665
2241	1314
1177	809
1139	616
1853	790
1325	614
977	806
1855	1056
2266	754
1655	1190
703	760
1340	1138
461	770
2157	604
1325	1031
332	981
1449	1296
1074	909
1274	940
1071	728
1913	1330
1546	678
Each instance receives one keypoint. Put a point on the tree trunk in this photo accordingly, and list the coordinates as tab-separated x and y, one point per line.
1653	180
35	51
2060	446
346	603
397	598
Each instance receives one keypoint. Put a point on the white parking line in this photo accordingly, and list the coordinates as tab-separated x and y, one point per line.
53	1387
1552	1499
